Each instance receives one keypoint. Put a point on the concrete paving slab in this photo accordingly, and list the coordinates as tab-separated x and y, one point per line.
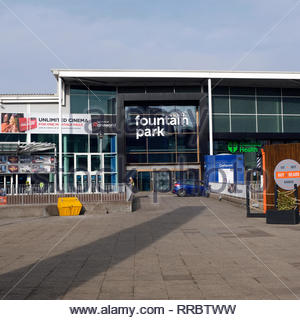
180	248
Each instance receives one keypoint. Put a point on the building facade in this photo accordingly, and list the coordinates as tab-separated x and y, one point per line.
153	126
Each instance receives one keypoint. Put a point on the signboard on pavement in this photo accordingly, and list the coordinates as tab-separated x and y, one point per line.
287	174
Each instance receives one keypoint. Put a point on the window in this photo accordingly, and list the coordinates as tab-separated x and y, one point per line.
102	104
162	144
221	123
187	157
109	143
242	91
240	104
94	143
243	123
291	123
92	100
162	157
269	123
291	105
68	163
137	158
187	142
12	137
110	178
220	104
220	90
95	163
51	138
268	105
81	163
75	143
79	103
109	163
254	109
135	145
270	92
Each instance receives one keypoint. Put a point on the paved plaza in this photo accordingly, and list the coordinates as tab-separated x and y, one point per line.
180	248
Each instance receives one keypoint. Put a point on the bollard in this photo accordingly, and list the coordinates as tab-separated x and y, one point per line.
296	196
248	193
276	196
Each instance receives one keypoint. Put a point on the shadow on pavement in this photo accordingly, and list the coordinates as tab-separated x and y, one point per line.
53	276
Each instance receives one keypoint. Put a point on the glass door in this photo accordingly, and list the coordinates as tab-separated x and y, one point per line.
96	163
81	173
82	182
88	172
144	180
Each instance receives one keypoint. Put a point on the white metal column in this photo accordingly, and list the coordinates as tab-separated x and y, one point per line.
89	169
28	133
210	119
60	166
17	183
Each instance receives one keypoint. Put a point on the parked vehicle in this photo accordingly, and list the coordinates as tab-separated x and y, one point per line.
191	187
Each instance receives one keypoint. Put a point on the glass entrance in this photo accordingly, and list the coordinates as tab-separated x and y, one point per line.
82	182
144	181
88	176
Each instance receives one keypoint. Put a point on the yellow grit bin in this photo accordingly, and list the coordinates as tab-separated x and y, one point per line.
69	206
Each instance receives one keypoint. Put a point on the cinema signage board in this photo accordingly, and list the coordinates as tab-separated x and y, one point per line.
49	123
102	123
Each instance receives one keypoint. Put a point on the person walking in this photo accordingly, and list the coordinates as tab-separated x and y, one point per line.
131	184
42	187
27	186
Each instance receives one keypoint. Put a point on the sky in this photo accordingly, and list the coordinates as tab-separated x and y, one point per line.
37	36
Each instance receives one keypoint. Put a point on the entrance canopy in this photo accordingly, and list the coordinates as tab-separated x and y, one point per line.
21	147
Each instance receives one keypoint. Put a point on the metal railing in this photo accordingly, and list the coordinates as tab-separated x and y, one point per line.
256	196
51	198
49	188
36	195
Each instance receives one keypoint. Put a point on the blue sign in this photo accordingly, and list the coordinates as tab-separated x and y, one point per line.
224	161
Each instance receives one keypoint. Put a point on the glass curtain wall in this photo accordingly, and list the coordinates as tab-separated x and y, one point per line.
267	110
92	100
178	143
76	150
82	153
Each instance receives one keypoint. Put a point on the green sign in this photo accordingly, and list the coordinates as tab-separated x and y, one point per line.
243	147
233	147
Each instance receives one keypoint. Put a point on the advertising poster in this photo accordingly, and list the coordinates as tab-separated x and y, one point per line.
25	168
104	123
25	159
42	159
13	159
3	159
49	123
13	168
27	164
42	168
10	122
